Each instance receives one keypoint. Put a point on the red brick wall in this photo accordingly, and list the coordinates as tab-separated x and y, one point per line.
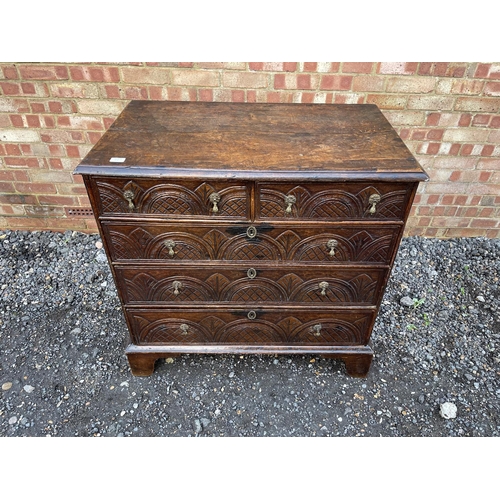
447	113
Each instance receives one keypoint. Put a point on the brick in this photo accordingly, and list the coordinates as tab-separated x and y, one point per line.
134	93
357	67
482	70
181	94
42	72
397	68
415	85
94	74
467	87
9	72
309	66
487	150
336	82
488	164
79	90
304	82
430	102
62	136
222	65
9	88
402	118
486	223
158	76
7	135
366	83
100	107
205	95
478	104
34	188
464	233
492	89
481	120
245	80
49	176
195	78
466	135
387	101
18	121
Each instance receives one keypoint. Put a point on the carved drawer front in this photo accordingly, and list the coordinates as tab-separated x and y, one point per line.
244	242
332	201
263	285
163	198
249	326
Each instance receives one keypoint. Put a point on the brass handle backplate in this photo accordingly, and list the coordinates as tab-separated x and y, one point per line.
332	245
177	286
316	330
289	200
323	286
373	200
214	199
129	196
170	244
251	315
184	328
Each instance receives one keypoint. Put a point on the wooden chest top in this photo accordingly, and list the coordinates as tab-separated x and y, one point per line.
252	141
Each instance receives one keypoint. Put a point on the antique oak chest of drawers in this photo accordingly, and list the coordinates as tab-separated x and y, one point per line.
250	228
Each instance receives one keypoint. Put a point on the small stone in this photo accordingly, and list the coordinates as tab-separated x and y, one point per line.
205	422
448	410
75	331
12	420
231	375
197	426
169	360
480	298
28	388
124	384
406	301
98	244
421	399
6	386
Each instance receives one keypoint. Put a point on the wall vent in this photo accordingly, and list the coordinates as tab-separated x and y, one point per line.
79	212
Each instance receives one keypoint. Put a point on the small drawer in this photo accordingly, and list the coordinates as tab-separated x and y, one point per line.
332	201
161	198
244	285
249	326
246	242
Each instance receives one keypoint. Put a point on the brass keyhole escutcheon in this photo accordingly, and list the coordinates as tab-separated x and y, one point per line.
316	329
323	286
214	199
332	245
251	315
252	232
251	273
373	200
289	200
177	286
129	196
170	244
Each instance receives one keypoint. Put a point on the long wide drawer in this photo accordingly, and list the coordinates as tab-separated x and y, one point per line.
367	244
260	284
249	326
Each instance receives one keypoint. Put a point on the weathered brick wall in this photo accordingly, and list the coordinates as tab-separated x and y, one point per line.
447	114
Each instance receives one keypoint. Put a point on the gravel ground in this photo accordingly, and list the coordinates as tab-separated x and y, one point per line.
63	371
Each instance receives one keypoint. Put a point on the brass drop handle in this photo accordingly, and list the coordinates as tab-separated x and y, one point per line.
289	200
332	245
214	199
251	315
129	196
170	244
177	286
323	286
184	328
373	200
316	329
